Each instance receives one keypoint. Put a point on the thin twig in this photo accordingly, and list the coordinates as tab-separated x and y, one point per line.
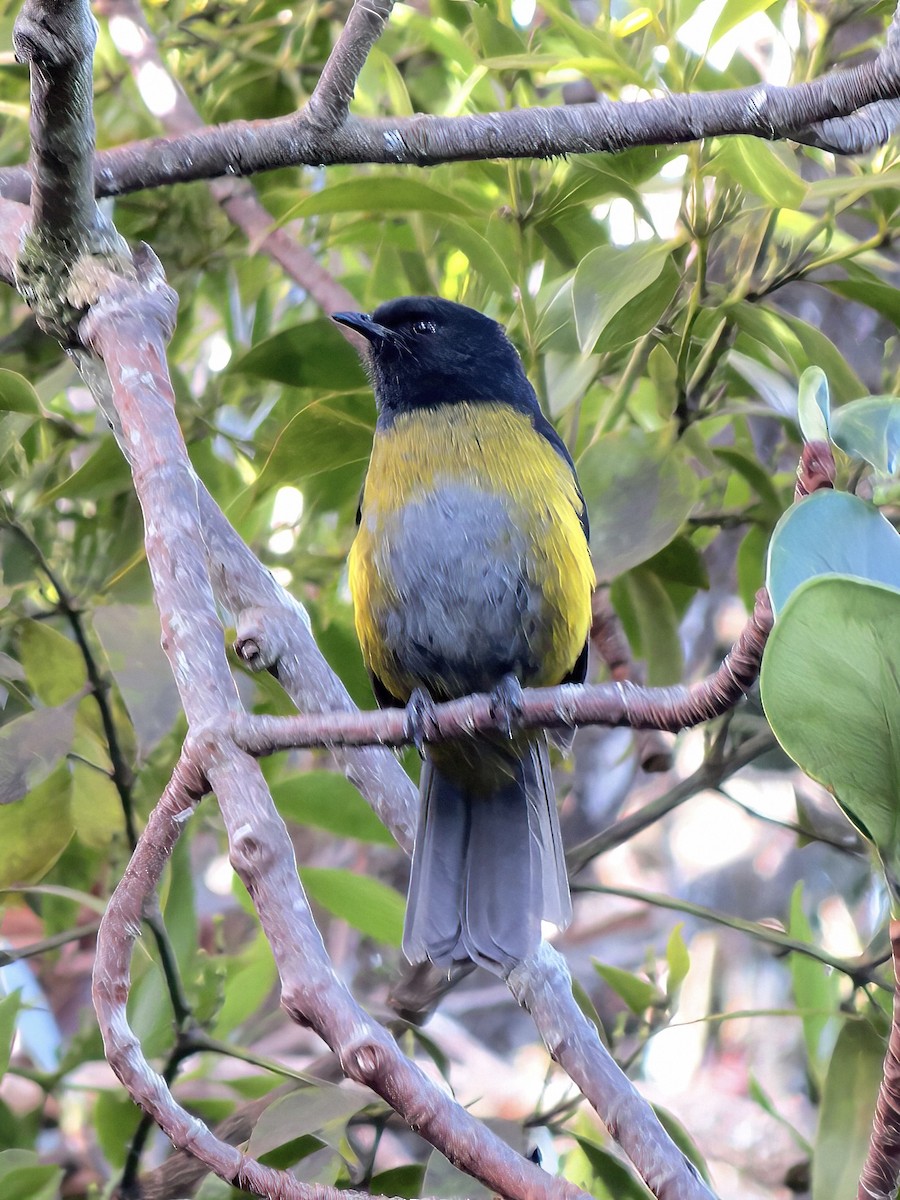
859	970
709	774
566	707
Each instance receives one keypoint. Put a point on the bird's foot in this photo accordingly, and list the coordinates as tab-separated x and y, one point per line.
418	718
506	704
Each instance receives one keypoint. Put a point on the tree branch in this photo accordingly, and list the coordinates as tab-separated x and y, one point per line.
56	38
242	147
329	104
237	197
543	986
566	707
881	1170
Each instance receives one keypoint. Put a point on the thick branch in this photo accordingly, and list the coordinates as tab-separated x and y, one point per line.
53	271
242	147
56	38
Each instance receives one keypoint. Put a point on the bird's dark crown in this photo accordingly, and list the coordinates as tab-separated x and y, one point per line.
425	351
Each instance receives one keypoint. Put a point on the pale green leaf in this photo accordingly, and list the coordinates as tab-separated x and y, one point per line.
609	277
367	904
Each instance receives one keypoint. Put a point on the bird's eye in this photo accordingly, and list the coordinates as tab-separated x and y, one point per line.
424	327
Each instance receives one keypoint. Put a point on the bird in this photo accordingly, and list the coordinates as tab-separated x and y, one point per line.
470	572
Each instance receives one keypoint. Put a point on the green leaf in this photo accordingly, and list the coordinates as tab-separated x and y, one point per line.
308	1110
816	992
328	801
367	904
756	166
845	1115
313	355
880	297
830	687
612	1180
9	1010
798	345
17	394
751	564
34	832
680	562
733	12
653	613
814	405
404	1182
115	1118
678	960
639	994
639	315
53	663
831	533
870	429
378	194
23	1177
682	1140
104	474
321	437
130	636
607	279
639	490
758	478
30	748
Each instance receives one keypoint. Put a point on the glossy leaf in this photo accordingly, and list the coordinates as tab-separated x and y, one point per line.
757	166
34	832
307	1110
130	635
54	665
313	355
380	194
9	1008
830	686
24	1177
733	12
17	394
870	429
678	960
320	438
831	533
814	405
607	279
611	1180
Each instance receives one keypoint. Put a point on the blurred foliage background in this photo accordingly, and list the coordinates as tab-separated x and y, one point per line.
665	302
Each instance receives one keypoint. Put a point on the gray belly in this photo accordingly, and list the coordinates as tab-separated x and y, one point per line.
465	610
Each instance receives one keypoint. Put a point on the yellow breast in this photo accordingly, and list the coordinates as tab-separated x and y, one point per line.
470	548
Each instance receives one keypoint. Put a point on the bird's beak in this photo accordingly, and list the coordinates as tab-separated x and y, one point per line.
363	324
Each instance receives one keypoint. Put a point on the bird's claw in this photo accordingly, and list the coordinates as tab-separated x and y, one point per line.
506	704
419	716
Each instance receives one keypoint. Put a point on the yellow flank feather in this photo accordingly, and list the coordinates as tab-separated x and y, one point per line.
494	450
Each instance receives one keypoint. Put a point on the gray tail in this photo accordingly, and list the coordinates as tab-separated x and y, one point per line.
487	868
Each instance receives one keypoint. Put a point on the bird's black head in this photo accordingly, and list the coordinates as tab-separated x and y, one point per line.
425	351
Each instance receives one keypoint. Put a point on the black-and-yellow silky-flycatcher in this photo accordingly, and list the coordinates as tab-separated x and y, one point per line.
470	569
